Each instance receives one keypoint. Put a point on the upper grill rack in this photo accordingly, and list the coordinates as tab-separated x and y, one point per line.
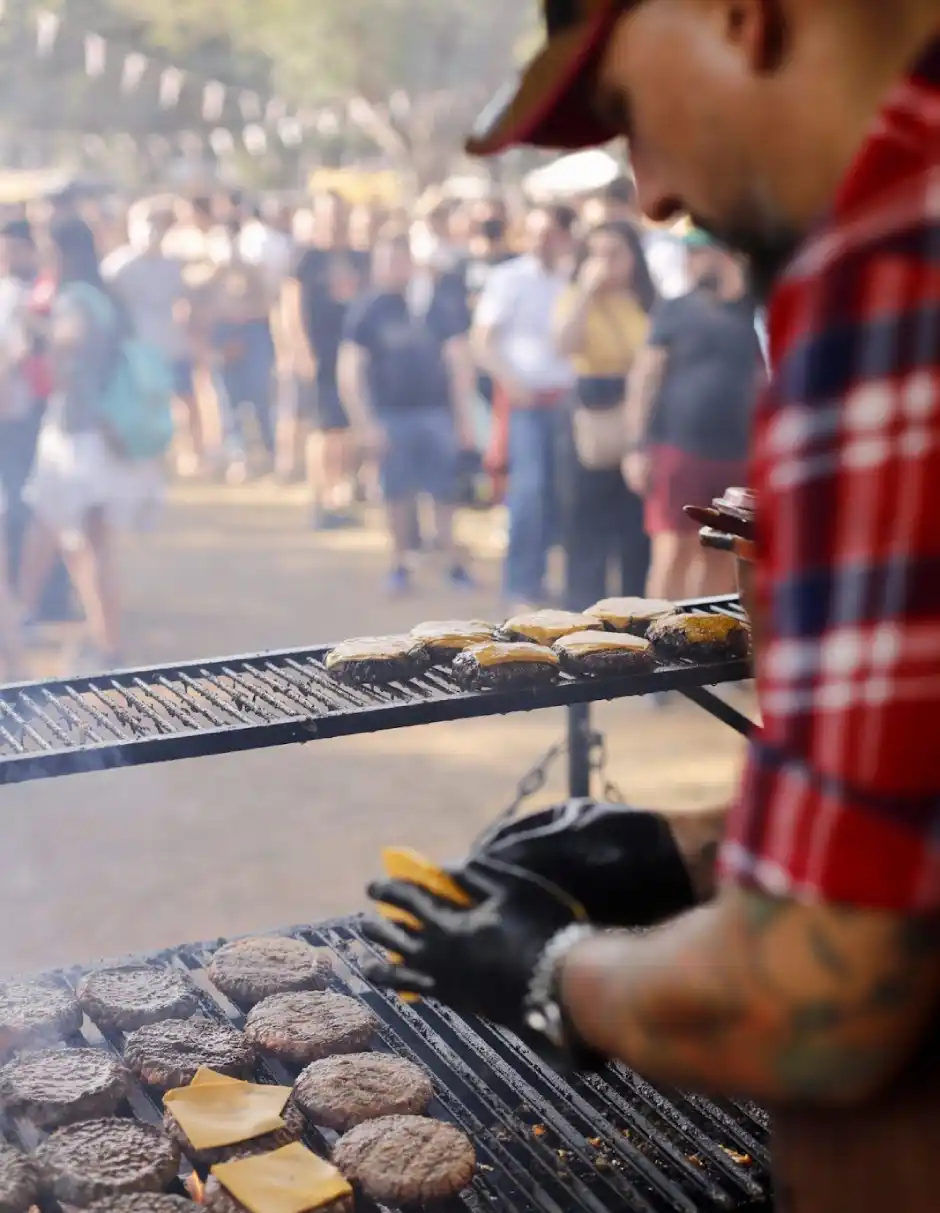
608	1143
133	717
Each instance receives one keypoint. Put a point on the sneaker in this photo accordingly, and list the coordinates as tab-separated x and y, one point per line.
460	579
398	582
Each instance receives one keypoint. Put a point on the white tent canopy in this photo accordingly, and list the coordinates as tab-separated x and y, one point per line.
580	173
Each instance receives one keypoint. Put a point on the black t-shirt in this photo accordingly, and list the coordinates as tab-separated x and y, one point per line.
324	316
406	363
712	374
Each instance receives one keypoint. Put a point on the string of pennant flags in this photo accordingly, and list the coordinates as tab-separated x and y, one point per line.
263	117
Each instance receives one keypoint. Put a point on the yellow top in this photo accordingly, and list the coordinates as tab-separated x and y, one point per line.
218	1111
545	627
581	644
701	629
370	648
620	613
454	634
614	331
289	1180
510	652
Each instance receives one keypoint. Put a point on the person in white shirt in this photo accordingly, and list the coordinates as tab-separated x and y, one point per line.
514	345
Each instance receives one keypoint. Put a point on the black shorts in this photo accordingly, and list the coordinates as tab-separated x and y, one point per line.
320	405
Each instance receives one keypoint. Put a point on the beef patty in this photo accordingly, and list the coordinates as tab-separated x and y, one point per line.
294	1127
308	1025
218	1199
36	1012
100	1158
248	970
19	1180
143	1202
133	995
57	1086
168	1054
340	1092
405	1159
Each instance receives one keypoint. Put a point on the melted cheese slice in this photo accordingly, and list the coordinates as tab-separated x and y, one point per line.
214	1112
401	863
705	629
622	612
511	653
370	648
206	1075
289	1180
580	644
545	627
454	634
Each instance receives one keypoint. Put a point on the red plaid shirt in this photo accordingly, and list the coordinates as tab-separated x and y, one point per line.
841	796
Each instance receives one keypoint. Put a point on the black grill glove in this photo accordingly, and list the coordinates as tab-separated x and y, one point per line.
623	865
478	960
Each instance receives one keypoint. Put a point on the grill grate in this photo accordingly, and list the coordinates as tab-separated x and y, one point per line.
606	1143
134	717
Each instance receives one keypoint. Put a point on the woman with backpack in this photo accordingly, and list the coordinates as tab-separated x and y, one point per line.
84	482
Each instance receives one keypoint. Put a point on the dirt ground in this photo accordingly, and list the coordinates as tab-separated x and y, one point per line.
100	865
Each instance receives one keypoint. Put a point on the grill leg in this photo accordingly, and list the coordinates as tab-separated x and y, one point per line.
579	751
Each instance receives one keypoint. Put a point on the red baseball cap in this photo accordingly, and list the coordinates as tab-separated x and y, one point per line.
550	104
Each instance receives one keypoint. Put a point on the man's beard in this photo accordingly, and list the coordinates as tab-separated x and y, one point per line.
768	252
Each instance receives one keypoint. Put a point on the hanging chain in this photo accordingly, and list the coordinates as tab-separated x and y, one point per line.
535	779
597	760
528	786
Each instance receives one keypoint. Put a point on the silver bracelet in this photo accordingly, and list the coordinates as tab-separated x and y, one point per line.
542	1010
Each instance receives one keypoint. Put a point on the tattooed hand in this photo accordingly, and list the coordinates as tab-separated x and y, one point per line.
761	997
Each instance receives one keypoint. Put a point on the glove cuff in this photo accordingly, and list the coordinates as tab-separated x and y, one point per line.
672	892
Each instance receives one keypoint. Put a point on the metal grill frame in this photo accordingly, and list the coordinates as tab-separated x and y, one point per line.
604	1143
225	705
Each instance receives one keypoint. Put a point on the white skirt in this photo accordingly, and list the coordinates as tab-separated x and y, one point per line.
73	474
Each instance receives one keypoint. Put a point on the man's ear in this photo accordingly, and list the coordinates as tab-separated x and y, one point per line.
759	29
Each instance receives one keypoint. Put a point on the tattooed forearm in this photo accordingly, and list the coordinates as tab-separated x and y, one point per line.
761	996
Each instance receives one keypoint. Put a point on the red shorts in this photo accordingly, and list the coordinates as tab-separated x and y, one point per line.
678	479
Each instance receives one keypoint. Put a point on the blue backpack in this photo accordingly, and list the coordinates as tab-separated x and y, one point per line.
135	406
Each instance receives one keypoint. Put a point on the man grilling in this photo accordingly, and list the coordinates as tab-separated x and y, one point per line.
806	134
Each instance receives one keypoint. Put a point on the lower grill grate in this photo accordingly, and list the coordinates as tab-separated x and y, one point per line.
606	1143
134	717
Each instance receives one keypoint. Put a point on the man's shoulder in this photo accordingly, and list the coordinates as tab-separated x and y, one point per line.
871	272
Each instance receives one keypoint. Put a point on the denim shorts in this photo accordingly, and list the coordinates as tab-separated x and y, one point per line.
421	455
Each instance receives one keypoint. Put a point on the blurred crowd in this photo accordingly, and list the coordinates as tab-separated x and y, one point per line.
589	373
